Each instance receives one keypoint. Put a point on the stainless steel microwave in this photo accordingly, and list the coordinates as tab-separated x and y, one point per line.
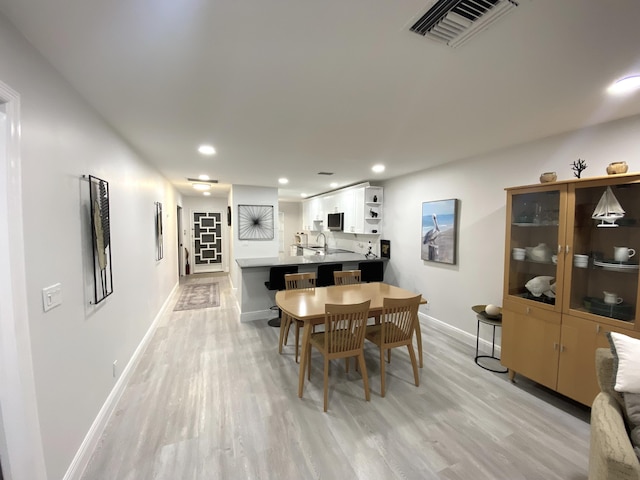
335	221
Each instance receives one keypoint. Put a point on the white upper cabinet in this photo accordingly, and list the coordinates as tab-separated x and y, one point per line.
361	205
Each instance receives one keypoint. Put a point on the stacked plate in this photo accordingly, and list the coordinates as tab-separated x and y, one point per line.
616	266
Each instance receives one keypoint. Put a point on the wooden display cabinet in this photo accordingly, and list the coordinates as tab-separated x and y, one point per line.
554	314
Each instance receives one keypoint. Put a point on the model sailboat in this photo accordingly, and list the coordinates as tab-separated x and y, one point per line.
608	210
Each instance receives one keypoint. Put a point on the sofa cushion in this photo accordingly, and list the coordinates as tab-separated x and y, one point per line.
632	412
626	352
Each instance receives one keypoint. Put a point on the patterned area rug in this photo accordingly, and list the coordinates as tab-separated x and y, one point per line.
199	295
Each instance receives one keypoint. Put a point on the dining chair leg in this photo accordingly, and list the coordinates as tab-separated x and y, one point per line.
419	340
283	325
326	382
286	330
414	364
365	377
382	373
347	361
389	356
297	340
306	349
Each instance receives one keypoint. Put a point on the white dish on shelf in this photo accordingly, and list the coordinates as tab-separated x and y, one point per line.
613	265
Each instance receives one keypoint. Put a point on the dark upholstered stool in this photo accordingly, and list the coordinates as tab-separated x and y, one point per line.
325	274
372	271
276	282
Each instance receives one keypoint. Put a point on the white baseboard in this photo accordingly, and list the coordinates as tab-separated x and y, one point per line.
257	315
83	455
465	337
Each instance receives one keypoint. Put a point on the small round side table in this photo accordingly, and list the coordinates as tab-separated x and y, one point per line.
493	321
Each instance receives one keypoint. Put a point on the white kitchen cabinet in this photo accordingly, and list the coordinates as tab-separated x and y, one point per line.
361	205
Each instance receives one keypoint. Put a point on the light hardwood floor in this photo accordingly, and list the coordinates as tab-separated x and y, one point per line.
212	399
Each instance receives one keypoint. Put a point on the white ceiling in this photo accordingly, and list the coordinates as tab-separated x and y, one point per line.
294	87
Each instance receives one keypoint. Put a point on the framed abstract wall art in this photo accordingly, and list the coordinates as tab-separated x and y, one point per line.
101	238
255	222
439	231
158	227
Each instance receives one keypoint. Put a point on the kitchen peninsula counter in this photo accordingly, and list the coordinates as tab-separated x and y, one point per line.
255	300
343	257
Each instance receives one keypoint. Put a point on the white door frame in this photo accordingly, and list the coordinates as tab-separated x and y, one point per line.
20	437
180	232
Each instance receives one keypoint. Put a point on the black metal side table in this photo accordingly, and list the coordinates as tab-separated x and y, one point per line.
493	321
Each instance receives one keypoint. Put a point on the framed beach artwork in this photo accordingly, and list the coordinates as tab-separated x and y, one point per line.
439	231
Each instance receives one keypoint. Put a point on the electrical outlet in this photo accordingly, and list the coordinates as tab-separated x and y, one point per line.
115	368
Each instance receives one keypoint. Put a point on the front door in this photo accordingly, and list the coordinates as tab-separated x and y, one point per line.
207	241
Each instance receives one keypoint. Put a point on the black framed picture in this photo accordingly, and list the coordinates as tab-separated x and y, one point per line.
255	222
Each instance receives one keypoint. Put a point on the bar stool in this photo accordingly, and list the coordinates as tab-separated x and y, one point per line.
372	271
276	282
325	274
493	321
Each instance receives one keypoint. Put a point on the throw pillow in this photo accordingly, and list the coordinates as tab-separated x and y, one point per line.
627	352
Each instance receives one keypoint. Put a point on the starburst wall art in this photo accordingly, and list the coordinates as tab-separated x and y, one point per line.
255	222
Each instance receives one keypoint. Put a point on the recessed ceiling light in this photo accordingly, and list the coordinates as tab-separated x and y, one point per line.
625	85
333	184
203	177
303	195
283	181
201	186
378	168
206	194
207	150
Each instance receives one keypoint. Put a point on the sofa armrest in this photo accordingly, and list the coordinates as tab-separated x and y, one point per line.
611	456
605	373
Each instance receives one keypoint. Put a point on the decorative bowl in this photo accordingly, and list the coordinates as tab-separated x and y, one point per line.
547	177
617	168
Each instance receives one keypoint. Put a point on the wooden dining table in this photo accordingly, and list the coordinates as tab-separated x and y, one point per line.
308	305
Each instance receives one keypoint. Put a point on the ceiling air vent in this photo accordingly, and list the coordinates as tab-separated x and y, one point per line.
325	173
454	22
197	180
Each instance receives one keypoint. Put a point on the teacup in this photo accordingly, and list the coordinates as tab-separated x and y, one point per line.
623	254
612	298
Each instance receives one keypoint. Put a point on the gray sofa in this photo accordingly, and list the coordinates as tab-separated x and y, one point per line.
611	456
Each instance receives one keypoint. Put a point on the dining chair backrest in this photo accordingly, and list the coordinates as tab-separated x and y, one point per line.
295	281
398	319
345	327
347	277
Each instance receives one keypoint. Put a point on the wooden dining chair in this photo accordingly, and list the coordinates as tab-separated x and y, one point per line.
347	277
343	337
294	281
397	324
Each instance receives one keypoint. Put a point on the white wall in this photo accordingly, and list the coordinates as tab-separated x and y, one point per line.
208	204
479	183
74	345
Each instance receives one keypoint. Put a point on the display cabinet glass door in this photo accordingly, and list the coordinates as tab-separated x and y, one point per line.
603	277
534	237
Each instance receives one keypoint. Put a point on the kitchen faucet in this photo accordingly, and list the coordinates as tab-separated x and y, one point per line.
325	241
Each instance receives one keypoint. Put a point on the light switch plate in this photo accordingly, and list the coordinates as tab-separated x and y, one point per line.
51	296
